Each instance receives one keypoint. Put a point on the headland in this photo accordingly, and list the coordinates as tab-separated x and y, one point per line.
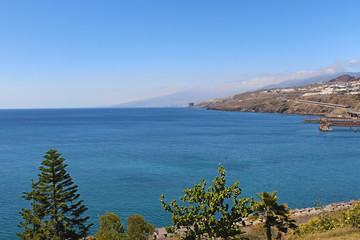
337	95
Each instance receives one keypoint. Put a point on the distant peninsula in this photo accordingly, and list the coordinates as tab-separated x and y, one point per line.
343	91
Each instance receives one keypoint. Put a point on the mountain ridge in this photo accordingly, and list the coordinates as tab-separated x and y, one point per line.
197	95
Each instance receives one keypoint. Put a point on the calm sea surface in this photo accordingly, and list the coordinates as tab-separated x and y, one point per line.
124	159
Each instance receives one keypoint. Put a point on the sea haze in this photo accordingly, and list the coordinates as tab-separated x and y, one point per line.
124	159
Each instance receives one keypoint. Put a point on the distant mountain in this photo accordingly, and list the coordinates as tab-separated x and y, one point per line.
180	99
203	93
302	82
174	100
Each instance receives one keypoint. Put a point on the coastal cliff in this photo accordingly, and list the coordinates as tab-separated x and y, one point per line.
344	90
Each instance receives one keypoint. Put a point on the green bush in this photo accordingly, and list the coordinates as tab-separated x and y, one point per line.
138	228
326	222
111	228
352	216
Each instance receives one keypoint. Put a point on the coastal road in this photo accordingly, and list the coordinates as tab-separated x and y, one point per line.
347	108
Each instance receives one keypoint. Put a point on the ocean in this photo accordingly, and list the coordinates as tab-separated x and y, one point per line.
123	159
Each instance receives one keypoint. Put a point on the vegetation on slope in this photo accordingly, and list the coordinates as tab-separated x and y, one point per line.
284	100
335	234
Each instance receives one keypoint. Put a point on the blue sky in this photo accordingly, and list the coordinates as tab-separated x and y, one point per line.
100	53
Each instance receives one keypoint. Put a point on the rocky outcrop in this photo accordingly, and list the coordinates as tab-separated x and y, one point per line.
286	104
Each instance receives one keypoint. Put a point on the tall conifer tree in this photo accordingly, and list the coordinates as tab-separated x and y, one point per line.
56	211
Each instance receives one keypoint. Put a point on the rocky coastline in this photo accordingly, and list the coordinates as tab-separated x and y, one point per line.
342	91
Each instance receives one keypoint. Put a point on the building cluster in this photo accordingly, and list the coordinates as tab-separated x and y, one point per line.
320	89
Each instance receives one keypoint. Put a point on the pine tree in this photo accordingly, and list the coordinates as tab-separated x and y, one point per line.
111	228
56	211
34	225
138	228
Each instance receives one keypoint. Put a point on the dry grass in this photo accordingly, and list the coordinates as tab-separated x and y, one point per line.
336	234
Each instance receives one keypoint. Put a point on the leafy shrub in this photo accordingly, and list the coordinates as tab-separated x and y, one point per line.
111	228
352	216
326	222
138	228
323	223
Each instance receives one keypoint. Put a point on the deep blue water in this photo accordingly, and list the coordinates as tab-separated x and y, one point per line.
124	159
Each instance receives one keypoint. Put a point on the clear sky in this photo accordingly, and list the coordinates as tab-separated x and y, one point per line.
84	53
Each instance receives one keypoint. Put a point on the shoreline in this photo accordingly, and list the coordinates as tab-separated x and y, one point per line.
301	215
274	112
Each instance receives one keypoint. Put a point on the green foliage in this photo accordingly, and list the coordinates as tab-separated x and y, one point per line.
326	222
207	210
322	223
33	225
318	205
274	214
56	210
352	216
138	228
111	228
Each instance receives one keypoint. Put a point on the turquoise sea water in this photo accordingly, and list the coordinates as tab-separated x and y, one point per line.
124	159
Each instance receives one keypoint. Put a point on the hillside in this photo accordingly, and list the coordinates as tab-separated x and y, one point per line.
344	90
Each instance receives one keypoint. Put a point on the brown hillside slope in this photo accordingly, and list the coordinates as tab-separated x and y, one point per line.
280	102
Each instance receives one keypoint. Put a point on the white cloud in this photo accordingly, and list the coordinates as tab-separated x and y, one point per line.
230	88
268	79
355	60
352	63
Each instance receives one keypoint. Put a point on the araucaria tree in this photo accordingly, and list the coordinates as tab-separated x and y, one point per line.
216	211
56	211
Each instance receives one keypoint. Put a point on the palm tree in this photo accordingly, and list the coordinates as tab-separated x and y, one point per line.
274	214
